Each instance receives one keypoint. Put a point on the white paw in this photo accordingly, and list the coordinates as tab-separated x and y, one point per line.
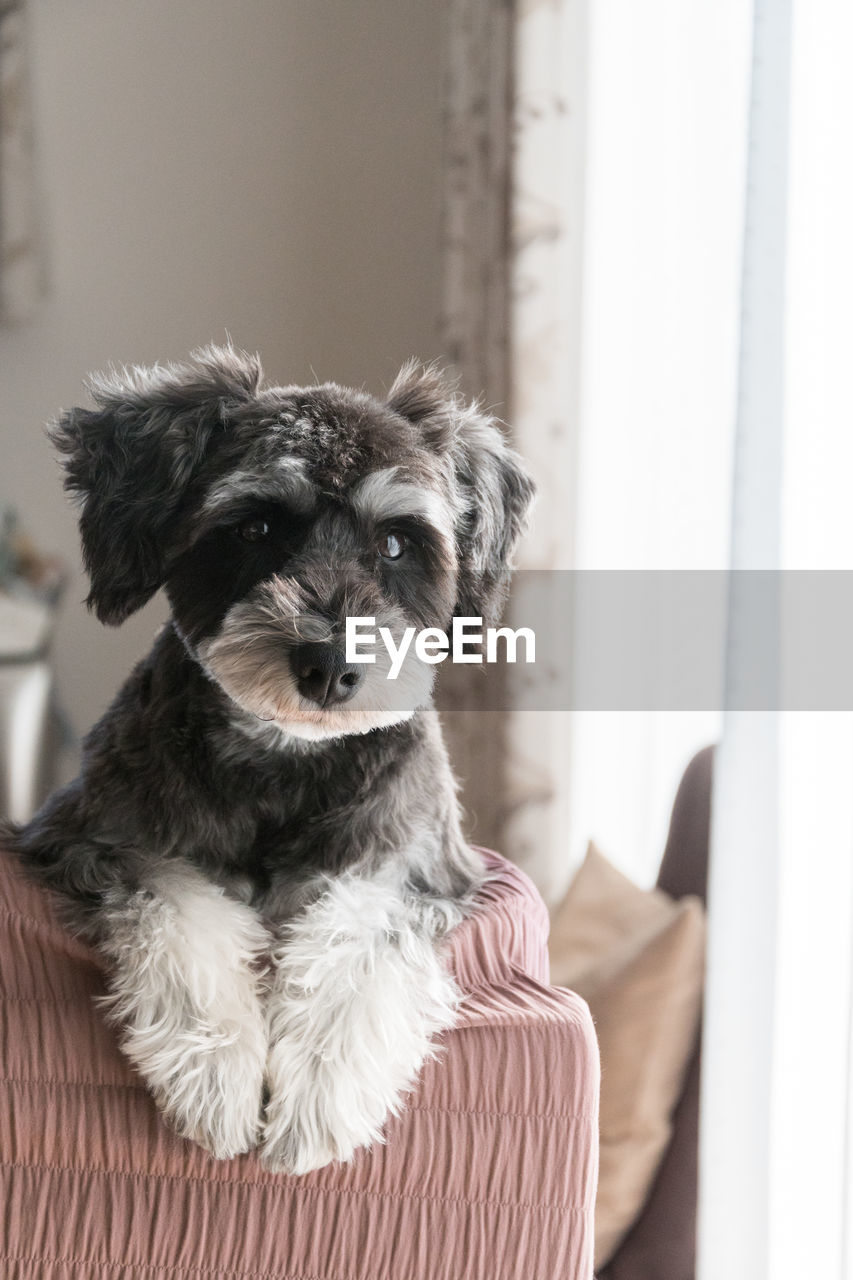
358	994
321	1110
206	1074
185	992
214	1096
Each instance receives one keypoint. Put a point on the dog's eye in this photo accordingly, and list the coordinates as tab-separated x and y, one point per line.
391	546
254	530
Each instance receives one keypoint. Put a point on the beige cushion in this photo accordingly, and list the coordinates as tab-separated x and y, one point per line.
637	958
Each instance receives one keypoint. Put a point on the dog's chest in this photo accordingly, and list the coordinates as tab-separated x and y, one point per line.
308	815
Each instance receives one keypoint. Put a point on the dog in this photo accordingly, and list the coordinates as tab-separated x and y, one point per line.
264	842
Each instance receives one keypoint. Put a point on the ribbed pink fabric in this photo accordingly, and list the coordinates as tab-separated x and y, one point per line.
489	1175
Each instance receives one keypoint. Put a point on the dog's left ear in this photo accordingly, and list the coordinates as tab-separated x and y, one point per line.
130	461
495	492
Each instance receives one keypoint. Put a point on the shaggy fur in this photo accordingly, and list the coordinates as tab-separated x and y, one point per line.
264	842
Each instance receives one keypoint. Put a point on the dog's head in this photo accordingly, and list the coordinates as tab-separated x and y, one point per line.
270	514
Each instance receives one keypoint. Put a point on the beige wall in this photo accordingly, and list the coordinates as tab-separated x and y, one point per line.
264	167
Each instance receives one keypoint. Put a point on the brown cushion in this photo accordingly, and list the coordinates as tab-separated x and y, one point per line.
661	1245
637	957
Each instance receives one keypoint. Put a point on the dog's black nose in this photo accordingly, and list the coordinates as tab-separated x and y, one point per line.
323	674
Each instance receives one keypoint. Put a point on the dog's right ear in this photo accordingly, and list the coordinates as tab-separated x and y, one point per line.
130	460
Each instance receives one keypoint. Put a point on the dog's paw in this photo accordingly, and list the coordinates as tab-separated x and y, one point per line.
357	996
298	1151
339	1066
214	1095
319	1110
185	991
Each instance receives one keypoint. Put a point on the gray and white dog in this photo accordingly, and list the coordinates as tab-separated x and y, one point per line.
264	842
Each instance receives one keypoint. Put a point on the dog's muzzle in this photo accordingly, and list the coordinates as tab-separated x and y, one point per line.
323	674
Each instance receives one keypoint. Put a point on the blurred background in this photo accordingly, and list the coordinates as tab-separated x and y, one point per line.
627	229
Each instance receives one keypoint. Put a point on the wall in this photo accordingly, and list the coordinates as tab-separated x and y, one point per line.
267	169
